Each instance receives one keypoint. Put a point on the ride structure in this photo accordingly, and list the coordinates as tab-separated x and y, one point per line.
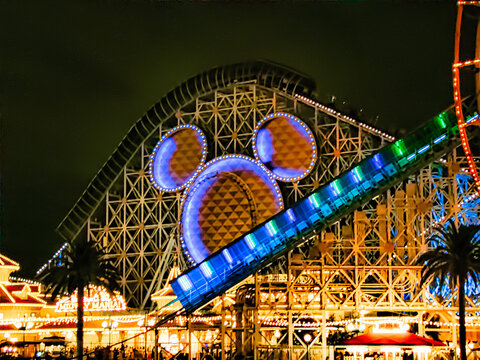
288	229
315	268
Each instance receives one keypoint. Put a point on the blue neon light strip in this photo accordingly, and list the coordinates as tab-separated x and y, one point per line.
290	214
258	247
250	239
227	255
377	159
336	187
206	269
314	200
185	283
423	149
271	229
440	138
470	119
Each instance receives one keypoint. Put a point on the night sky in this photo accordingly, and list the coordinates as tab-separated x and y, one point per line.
75	75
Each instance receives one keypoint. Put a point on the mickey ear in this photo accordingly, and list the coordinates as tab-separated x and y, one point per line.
178	158
286	146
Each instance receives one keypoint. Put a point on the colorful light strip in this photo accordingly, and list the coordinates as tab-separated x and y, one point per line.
465	2
250	240
439	139
466	63
313	199
206	269
185	283
357	174
227	255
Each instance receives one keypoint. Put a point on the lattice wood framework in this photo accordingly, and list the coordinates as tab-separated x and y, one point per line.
363	265
139	229
367	257
138	226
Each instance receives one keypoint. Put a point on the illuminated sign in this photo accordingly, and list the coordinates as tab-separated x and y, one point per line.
95	299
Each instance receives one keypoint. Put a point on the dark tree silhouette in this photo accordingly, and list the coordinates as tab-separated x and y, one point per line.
453	257
80	264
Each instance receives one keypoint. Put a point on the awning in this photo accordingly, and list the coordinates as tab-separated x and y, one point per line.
397	339
53	340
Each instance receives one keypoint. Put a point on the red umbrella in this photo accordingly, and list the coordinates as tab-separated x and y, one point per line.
406	338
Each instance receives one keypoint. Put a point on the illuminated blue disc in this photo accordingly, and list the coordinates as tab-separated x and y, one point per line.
177	158
285	145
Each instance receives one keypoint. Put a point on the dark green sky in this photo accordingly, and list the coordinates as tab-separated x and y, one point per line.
75	75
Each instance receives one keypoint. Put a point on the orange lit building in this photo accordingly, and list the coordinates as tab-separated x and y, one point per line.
29	321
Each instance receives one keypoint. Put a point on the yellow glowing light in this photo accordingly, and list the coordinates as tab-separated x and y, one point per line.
95	299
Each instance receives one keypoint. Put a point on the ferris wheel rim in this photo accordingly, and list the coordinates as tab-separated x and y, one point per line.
456	66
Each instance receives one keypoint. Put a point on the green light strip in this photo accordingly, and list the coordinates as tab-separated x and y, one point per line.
399	147
336	187
357	173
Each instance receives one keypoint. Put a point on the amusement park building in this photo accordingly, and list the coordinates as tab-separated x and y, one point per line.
31	321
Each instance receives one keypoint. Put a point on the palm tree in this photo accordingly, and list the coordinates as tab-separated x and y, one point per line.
79	265
453	257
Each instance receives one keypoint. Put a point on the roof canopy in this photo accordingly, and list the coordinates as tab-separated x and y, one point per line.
407	339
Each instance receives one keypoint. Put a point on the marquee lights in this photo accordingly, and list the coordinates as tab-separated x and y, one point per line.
168	134
57	254
95	299
463	2
457	97
22	280
307	131
345	118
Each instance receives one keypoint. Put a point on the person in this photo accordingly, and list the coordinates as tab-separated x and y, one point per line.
122	351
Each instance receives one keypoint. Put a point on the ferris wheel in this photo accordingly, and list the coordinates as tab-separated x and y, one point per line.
458	65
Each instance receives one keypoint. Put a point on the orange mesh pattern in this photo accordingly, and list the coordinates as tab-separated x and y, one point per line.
231	207
187	156
291	149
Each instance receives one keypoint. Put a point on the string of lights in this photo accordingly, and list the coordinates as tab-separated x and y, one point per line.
57	254
457	97
345	118
258	151
464	2
22	280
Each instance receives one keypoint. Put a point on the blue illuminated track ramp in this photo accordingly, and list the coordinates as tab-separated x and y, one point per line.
261	245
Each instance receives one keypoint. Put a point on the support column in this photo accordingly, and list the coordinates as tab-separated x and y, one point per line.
454	333
289	307
324	334
189	327
256	325
222	329
421	327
